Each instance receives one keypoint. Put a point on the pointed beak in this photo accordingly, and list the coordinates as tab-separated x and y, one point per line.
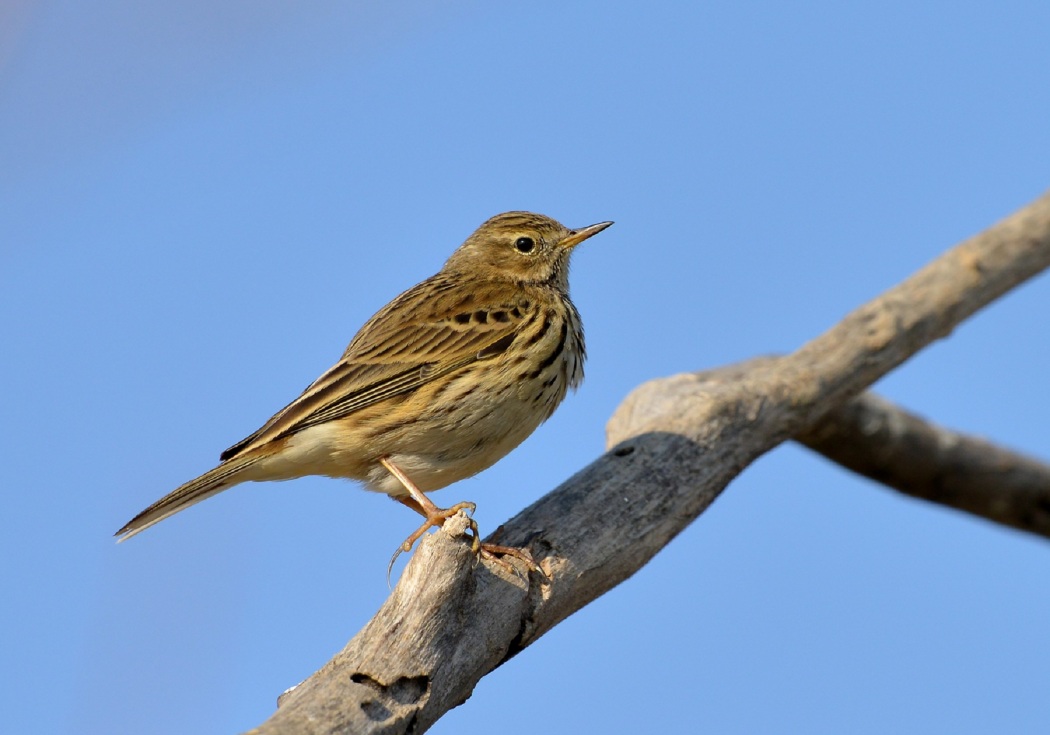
575	237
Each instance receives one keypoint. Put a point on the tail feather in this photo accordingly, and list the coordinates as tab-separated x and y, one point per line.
211	482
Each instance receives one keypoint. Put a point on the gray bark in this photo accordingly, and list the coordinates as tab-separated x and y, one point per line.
874	438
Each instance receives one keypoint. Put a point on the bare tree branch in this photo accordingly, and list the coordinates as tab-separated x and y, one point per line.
874	438
676	443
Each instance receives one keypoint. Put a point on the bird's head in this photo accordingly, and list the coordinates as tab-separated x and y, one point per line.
521	247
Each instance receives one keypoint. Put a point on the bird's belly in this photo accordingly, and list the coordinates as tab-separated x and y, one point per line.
462	432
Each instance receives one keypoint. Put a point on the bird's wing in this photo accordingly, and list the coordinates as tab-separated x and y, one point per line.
429	331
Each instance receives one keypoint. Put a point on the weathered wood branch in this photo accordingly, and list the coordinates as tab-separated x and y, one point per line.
675	444
874	438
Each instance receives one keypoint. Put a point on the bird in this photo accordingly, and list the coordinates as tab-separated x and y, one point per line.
438	385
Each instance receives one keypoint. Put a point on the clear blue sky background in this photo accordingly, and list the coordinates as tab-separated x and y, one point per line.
200	203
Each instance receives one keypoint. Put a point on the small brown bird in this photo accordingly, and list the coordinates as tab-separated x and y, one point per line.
439	385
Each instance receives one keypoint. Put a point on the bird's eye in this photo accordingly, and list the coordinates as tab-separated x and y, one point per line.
525	244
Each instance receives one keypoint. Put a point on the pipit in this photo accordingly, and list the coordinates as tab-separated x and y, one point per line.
439	385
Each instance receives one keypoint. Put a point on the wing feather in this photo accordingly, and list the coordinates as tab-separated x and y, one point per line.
426	333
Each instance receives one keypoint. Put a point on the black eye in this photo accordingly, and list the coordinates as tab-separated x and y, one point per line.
525	244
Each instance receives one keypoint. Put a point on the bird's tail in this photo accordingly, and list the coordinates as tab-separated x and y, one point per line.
211	482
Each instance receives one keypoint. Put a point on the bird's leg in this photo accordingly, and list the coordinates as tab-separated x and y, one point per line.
423	505
436	516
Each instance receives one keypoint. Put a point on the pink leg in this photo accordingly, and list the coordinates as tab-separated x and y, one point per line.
436	516
420	503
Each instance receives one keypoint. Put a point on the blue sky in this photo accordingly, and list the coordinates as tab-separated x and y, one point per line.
201	202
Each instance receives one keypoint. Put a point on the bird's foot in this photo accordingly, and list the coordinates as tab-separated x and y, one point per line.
496	553
436	517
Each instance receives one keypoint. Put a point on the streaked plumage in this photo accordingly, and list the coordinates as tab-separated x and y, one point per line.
441	383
